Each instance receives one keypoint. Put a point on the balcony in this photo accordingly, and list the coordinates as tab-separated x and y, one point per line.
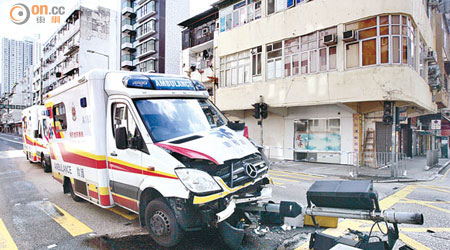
127	26
127	61
127	9
71	48
70	68
127	43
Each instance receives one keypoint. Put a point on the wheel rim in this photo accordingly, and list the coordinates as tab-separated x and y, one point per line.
159	223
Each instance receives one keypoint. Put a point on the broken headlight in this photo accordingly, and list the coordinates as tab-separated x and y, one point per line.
197	181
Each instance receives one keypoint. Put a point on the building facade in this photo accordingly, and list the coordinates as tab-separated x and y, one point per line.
150	40
88	39
325	71
197	56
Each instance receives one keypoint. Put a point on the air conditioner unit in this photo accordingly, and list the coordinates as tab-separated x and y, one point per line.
330	39
350	36
205	31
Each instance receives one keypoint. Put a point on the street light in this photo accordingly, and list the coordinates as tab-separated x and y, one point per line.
95	52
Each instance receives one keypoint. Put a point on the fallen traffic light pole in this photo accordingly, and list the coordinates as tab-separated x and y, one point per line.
349	200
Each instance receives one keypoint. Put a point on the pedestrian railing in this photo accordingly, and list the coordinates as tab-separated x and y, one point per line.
377	164
371	164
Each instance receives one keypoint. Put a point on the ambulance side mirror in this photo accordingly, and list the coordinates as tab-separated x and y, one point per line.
121	138
36	133
236	126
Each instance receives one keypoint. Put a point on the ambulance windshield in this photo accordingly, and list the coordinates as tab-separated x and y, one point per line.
166	119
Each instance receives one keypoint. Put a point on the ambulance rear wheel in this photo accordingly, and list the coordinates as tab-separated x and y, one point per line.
162	224
72	193
46	165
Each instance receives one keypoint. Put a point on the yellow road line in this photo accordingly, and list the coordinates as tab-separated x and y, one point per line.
290	176
283	179
307	175
70	223
6	241
412	243
436	186
278	183
124	213
444	176
424	203
392	199
437	189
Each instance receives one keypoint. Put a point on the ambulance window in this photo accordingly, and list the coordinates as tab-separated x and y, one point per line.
44	127
123	118
60	120
39	135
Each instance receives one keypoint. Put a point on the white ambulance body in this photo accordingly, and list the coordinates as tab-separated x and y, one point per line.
35	135
155	145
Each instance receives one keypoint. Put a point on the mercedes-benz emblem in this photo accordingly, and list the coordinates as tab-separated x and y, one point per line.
251	171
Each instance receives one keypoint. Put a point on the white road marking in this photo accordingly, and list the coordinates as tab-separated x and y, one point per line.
3	138
11	154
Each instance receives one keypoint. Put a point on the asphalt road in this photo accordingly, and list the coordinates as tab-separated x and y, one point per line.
35	214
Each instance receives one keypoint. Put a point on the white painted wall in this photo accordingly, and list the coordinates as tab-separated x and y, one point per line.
104	38
176	12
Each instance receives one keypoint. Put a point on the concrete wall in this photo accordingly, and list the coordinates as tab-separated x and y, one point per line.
278	128
100	33
176	12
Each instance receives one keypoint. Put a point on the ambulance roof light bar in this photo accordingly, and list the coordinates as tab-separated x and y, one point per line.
157	82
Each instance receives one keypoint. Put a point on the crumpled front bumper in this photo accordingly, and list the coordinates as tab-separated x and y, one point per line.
229	210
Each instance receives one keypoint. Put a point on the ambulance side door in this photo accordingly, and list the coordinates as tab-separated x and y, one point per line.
124	160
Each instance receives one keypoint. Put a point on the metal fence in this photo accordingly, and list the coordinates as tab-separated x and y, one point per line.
377	164
371	164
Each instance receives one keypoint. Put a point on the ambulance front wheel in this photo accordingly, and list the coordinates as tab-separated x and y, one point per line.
162	224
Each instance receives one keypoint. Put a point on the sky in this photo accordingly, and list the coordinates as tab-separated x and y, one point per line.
42	31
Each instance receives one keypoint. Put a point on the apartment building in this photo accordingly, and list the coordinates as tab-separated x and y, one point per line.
197	56
88	39
325	69
151	39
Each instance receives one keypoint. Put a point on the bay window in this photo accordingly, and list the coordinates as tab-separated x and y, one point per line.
256	61
274	60
239	14
235	69
388	39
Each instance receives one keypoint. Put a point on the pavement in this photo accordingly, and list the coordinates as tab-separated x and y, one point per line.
414	169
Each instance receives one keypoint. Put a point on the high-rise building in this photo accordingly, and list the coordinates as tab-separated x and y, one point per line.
17	59
151	40
17	56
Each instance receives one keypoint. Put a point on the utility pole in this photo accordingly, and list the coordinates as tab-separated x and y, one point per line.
260	122
393	149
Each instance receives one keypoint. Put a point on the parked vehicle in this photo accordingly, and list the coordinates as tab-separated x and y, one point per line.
35	136
155	145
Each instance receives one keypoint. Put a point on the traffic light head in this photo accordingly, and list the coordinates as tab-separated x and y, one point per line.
387	113
264	110
256	110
